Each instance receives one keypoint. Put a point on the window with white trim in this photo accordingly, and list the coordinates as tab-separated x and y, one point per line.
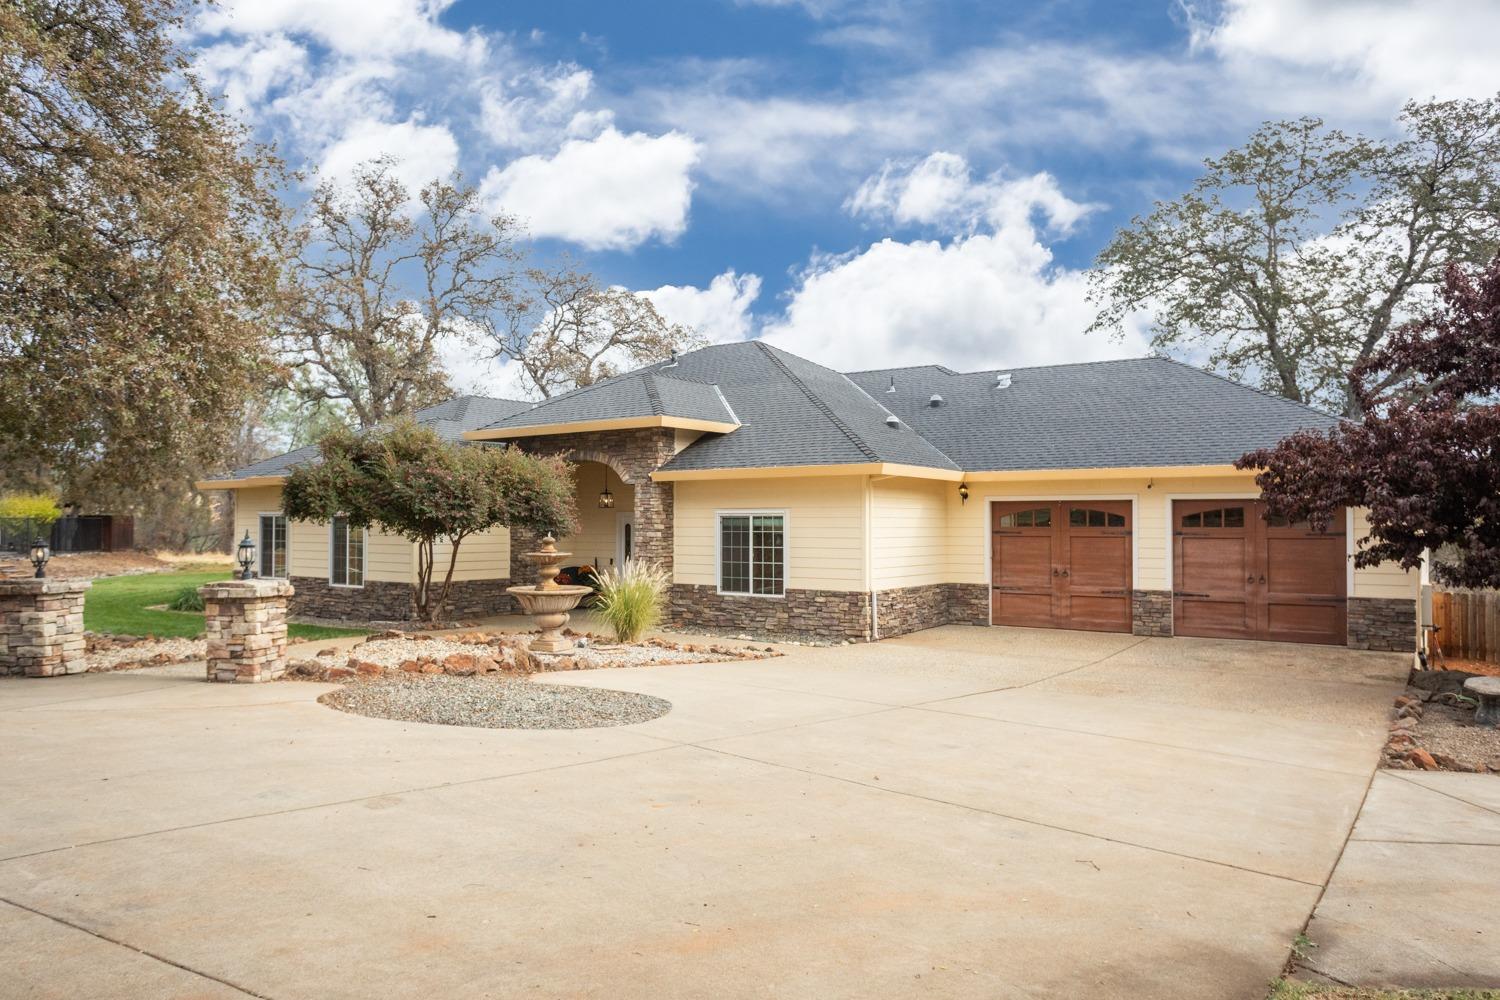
752	554
346	554
273	546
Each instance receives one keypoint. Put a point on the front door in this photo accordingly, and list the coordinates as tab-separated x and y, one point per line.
1238	575
1061	564
624	537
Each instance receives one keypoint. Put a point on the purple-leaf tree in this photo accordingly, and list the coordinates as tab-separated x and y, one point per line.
1425	459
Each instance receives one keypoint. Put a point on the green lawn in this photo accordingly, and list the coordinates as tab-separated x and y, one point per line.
122	605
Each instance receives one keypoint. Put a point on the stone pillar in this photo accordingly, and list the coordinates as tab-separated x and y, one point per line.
41	627
245	625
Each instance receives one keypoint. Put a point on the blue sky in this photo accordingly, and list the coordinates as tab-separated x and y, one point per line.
864	183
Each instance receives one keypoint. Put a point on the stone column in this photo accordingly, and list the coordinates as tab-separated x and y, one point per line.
41	627
245	625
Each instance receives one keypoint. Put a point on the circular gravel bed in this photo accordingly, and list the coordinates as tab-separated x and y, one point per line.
492	702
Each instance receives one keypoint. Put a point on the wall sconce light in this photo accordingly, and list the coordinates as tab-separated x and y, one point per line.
963	493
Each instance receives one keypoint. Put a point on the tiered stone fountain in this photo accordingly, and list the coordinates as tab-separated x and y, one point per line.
547	601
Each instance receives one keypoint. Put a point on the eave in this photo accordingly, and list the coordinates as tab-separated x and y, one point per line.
590	426
244	483
796	471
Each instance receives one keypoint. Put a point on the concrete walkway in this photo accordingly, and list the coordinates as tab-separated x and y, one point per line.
1414	901
959	813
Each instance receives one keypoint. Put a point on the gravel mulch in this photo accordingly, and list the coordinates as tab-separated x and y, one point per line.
1434	730
492	702
144	654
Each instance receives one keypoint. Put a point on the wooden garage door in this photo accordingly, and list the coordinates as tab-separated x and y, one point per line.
1237	575
1061	564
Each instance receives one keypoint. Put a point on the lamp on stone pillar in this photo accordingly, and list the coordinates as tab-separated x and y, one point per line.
245	555
40	553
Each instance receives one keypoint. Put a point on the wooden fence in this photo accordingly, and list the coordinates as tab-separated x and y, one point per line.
1468	623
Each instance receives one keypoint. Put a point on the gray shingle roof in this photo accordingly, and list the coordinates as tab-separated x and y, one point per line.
449	420
1102	414
653	391
793	412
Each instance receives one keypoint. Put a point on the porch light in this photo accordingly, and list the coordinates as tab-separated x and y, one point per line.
245	555
606	498
40	553
963	493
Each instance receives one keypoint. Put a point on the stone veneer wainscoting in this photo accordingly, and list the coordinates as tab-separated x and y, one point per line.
388	601
1151	613
1382	623
911	609
821	615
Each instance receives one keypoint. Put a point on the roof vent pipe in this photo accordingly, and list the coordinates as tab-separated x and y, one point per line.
1002	380
892	386
672	362
892	421
935	400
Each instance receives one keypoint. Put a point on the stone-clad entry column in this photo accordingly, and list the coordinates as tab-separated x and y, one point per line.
41	627
245	625
634	455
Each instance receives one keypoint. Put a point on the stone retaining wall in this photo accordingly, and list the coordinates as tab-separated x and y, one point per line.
41	627
1383	623
245	629
1151	612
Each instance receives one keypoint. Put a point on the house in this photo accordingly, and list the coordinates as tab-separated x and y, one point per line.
789	498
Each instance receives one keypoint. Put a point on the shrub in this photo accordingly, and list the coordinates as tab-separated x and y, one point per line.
187	599
27	513
632	599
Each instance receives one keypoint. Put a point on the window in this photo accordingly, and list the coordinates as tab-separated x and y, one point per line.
1224	517
1087	517
273	545
752	554
1040	517
347	554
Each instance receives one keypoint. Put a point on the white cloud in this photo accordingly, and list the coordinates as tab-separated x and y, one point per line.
246	72
941	191
538	106
422	152
1385	51
363	28
614	191
721	312
981	300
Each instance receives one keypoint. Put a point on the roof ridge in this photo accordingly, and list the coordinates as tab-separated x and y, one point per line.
1017	368
920	436
818	402
648	378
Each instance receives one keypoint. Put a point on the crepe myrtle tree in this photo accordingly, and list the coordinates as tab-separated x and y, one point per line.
403	479
1425	458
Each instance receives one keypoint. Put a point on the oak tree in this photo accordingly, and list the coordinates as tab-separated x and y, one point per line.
1293	257
139	252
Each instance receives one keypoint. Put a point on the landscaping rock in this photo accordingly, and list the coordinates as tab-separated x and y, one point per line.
1422	759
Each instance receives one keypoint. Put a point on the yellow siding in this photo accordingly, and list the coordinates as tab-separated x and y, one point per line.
909	543
484	556
387	557
596	541
1385	580
824	527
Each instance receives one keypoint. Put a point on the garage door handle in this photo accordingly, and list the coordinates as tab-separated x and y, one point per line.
1055	571
1065	572
1249	579
1262	579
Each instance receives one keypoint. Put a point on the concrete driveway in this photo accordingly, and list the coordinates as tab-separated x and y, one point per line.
962	812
